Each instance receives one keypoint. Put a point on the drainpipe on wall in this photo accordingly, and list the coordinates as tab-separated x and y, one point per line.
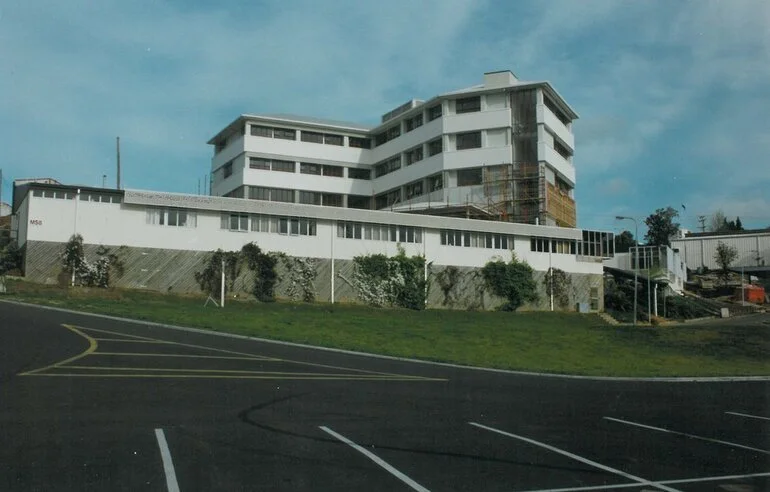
333	226
75	227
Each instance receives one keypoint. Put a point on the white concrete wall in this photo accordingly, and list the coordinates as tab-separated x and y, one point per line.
22	219
555	160
699	252
555	126
126	225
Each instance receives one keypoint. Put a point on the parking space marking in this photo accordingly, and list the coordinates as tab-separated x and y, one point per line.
691	436
664	482
384	464
640	481
65	368
168	464
92	345
748	415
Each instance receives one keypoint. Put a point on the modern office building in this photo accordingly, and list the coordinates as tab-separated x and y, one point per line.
501	150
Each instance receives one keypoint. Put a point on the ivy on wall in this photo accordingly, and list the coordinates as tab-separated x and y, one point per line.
447	280
399	280
513	281
560	283
86	273
301	273
210	278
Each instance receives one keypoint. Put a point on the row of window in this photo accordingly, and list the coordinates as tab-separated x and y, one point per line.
172	217
410	124
292	226
594	243
70	195
304	168
377	232
410	156
476	239
309	136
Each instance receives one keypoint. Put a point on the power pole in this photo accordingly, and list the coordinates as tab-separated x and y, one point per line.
702	220
117	151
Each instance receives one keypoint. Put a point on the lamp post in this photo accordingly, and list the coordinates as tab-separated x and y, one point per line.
636	265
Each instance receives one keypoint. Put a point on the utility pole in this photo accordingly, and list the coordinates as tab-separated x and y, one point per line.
1	186
117	151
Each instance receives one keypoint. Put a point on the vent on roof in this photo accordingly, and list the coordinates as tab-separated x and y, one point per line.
503	78
401	109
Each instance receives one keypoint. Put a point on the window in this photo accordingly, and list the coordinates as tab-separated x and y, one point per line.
349	230
239	222
414	189
259	193
359	201
284	166
388	198
334	171
470	140
413	155
561	149
284	134
312	137
283	225
414	122
261	131
359	143
39	193
387	135
556	111
435	147
387	167
468	105
294	226
308	168
281	195
332	199
310	197
558	246
259	163
469	177
436	182
334	139
434	112
358	173
227	169
220	146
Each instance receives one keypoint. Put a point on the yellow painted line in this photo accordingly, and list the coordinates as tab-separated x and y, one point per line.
92	346
190	345
234	376
126	340
126	335
221	371
192	356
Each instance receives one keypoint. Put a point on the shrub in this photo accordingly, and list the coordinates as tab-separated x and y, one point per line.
263	266
513	281
395	281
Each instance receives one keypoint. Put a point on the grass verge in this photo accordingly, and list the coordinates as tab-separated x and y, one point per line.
566	343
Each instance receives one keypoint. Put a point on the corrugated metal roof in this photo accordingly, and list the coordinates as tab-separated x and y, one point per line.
313	121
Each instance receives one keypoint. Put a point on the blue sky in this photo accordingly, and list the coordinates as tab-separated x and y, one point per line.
673	97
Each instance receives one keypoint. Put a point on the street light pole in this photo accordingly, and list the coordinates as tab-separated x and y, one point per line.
636	265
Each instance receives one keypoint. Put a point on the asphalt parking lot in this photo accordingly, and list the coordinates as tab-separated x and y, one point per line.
89	403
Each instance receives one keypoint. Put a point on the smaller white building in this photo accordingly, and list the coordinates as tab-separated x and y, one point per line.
753	247
661	263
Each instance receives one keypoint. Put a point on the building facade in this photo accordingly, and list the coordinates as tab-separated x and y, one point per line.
753	248
500	150
164	238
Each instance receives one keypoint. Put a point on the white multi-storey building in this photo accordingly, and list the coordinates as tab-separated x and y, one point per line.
500	150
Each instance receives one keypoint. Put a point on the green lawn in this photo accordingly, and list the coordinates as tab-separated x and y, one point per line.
546	342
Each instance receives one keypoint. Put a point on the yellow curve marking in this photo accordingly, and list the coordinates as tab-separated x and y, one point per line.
190	356
207	373
92	346
223	371
352	377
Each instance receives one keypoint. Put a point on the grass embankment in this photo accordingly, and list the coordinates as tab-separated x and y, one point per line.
545	342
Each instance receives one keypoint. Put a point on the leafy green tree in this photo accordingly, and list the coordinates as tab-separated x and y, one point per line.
513	281
724	256
10	258
738	224
661	227
624	242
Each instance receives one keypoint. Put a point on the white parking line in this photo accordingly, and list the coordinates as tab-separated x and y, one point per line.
691	436
664	482
376	459
168	465
640	481
748	415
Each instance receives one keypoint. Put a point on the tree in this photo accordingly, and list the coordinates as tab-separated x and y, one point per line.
718	222
738	224
724	256
624	242
661	227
